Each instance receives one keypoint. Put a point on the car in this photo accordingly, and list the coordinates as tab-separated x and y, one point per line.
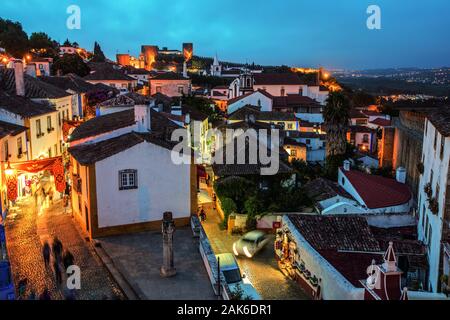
6	283
233	277
250	244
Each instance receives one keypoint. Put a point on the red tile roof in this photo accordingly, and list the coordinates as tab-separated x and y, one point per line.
377	191
264	92
381	122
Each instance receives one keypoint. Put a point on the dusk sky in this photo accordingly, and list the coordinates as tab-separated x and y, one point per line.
328	33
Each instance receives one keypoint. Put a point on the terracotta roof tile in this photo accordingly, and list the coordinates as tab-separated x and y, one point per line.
377	191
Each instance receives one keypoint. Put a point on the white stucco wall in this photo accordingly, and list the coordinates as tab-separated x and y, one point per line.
432	162
255	99
162	186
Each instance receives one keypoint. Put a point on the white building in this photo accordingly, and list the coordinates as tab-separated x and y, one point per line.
434	195
277	84
376	194
332	257
259	98
124	178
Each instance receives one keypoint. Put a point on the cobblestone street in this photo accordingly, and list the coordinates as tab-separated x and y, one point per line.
27	229
262	270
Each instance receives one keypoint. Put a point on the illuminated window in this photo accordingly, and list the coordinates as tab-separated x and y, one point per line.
38	128
128	179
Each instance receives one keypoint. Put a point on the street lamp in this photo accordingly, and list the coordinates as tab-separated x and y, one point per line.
9	171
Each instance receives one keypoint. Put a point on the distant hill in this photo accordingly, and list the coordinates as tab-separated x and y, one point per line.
388	86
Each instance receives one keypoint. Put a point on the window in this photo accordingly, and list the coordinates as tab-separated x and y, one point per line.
308	141
6	151
294	153
49	123
282	91
38	128
128	179
19	146
366	138
55	147
158	89
50	152
441	155
435	139
290	126
181	89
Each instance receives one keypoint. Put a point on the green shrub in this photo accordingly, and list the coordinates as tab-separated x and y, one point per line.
228	207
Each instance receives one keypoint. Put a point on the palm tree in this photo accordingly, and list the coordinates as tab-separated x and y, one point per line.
336	116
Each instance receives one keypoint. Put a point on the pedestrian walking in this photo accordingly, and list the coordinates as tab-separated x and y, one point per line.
57	270
202	215
50	195
45	295
46	252
68	259
57	249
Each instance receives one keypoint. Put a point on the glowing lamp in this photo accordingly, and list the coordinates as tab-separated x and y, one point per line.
9	171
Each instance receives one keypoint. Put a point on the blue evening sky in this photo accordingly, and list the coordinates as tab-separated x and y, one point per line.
330	33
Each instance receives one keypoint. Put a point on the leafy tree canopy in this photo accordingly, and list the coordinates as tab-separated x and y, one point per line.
99	56
13	39
71	63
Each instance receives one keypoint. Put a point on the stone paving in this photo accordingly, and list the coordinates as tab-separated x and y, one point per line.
138	257
27	228
262	270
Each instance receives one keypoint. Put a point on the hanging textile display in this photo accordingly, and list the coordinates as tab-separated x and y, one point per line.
58	173
11	185
54	165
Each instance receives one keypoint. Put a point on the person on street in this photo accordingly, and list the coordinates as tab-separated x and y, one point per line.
57	249
68	259
50	195
46	251
202	214
45	295
57	270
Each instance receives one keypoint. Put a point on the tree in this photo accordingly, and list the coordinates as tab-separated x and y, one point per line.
228	207
12	38
71	63
67	43
236	188
99	56
336	116
40	41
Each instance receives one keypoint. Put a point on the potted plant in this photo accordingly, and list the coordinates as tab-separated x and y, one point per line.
428	190
433	205
420	167
307	274
314	281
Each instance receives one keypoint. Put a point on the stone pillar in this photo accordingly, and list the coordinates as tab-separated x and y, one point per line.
168	228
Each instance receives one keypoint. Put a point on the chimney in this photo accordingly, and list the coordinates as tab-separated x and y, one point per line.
19	78
400	175
347	165
142	117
